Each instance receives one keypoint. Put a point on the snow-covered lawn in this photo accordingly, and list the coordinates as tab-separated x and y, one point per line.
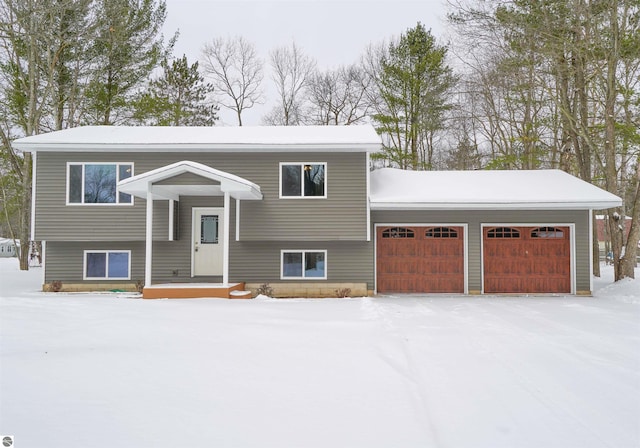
104	370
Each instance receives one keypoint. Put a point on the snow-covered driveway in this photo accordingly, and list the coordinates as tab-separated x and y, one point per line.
108	371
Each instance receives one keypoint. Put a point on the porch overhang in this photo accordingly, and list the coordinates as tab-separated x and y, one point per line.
142	184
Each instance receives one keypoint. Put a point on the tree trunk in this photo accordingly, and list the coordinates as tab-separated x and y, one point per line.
25	214
629	261
616	223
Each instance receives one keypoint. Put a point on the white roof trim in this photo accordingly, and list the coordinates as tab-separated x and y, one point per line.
362	138
236	186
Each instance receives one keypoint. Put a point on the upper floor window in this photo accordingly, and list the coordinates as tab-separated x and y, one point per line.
301	180
97	183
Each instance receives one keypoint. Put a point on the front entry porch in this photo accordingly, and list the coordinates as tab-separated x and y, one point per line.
209	228
196	291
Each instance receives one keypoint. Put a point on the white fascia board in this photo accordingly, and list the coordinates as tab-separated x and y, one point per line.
196	147
493	205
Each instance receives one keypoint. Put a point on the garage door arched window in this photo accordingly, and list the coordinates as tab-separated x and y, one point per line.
547	232
503	232
398	232
441	232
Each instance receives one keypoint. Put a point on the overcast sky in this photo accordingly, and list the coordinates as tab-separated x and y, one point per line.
332	32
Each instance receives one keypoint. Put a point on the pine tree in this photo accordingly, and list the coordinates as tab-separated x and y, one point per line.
179	97
411	81
127	48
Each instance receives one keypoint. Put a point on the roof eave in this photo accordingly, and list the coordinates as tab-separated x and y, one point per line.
198	147
584	205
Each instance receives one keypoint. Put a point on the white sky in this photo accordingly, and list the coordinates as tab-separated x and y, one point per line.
332	32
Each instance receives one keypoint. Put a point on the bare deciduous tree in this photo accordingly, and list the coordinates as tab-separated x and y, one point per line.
235	71
562	77
292	71
337	97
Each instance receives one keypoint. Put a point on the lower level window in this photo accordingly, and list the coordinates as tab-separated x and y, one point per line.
304	264
107	264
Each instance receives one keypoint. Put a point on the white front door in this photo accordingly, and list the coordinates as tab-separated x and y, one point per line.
208	241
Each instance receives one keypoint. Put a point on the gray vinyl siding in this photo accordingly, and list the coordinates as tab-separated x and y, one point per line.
65	259
474	237
250	261
257	261
341	216
172	259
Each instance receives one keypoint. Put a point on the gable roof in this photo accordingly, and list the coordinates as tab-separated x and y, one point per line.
206	139
477	190
236	186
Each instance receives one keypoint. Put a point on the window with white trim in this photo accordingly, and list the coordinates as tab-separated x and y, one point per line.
107	264
97	183
303	264
303	180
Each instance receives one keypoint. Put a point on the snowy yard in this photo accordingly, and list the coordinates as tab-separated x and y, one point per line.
104	370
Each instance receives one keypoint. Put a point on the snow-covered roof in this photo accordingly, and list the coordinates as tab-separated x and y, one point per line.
537	189
237	186
206	139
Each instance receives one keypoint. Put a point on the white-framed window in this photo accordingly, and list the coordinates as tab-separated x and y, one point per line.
107	265
303	180
97	183
303	264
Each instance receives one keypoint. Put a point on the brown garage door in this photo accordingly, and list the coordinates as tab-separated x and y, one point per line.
420	259
527	260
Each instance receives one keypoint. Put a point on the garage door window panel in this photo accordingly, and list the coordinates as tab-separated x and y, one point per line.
398	232
441	232
547	233
503	232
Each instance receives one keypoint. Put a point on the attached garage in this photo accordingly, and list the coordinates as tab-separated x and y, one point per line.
526	259
420	259
483	232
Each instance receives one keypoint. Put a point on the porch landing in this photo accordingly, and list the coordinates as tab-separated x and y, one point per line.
195	290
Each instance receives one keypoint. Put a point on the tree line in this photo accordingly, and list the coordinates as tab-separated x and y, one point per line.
524	84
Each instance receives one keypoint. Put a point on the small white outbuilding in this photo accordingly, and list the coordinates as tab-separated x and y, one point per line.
7	248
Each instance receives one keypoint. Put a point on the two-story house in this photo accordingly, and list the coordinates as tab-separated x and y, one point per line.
215	209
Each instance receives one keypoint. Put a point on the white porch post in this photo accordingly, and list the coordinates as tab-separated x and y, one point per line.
149	238
171	218
225	232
